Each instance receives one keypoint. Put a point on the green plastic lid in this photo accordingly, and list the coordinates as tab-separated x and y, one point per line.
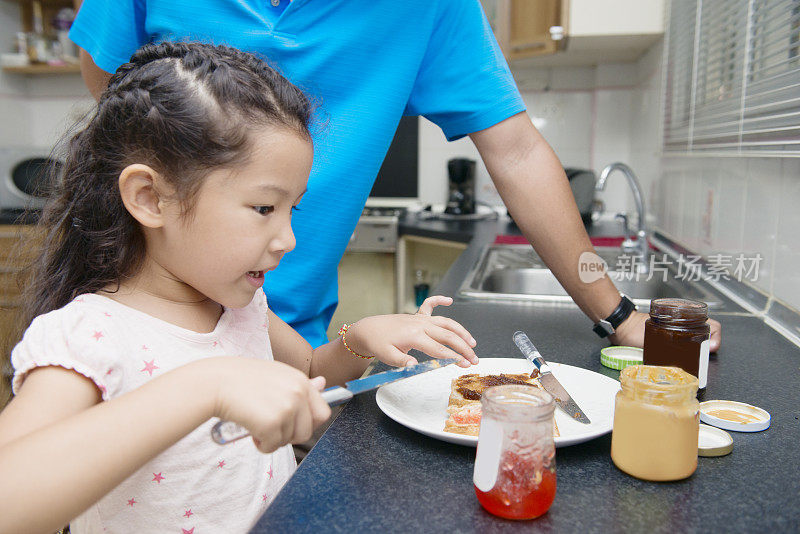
620	357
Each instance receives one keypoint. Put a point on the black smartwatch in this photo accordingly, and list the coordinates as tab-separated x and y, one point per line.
606	327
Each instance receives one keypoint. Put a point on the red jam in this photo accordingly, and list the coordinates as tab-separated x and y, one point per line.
524	489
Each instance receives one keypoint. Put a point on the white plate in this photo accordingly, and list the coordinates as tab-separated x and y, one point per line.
420	402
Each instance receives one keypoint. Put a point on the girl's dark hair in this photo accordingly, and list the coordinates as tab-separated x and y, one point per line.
181	108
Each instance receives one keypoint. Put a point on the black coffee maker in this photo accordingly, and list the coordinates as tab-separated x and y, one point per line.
461	200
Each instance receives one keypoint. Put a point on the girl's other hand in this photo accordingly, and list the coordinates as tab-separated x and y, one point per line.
390	337
277	403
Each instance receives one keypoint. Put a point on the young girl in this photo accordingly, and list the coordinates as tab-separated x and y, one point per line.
148	318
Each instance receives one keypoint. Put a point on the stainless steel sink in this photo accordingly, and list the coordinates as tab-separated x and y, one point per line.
515	272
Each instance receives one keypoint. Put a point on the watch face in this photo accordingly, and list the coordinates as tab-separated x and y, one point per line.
605	327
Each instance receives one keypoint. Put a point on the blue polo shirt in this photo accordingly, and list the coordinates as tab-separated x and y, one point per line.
367	63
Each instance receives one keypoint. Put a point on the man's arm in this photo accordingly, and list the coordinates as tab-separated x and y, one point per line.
95	78
532	183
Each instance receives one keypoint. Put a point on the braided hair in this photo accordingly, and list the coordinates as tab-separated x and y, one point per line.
181	108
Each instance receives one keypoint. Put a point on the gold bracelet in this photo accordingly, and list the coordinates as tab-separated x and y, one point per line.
342	332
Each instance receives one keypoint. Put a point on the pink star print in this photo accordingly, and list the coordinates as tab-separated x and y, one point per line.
214	344
131	502
97	335
107	314
264	498
157	478
184	531
270	472
150	367
144	347
221	464
188	513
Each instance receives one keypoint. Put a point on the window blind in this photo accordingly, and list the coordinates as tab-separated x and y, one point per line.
733	77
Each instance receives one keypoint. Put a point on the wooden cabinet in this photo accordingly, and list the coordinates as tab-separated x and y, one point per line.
574	32
15	253
526	28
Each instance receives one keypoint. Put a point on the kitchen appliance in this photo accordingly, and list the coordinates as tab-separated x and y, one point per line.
548	381
582	183
24	177
461	181
376	230
226	432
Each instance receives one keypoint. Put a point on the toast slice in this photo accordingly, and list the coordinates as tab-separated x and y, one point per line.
464	406
469	388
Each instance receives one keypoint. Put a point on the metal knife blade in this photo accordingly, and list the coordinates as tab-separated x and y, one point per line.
368	383
226	431
549	382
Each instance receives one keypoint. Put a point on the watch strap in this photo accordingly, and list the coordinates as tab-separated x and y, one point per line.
606	327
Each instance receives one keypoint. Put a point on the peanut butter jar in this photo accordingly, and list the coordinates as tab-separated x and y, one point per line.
656	423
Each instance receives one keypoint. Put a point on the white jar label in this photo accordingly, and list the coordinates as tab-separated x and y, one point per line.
703	369
487	458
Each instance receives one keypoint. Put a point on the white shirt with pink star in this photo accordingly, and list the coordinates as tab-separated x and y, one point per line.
195	486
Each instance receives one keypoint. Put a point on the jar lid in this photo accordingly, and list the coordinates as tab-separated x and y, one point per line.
619	357
712	441
732	415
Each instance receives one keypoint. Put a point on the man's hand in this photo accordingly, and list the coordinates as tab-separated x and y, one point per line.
631	332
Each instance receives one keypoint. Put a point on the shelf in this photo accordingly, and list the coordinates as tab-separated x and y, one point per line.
44	69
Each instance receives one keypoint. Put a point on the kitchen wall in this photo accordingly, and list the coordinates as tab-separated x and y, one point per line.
36	110
719	206
583	112
13	105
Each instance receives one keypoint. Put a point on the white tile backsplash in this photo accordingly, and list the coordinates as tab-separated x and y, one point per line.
786	274
52	117
16	130
761	217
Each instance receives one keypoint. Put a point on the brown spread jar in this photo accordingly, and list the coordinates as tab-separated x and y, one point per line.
656	423
677	334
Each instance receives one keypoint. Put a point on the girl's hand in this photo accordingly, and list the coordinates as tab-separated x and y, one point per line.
390	337
277	403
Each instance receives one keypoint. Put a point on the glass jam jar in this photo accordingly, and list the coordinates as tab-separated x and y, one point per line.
515	467
656	423
677	334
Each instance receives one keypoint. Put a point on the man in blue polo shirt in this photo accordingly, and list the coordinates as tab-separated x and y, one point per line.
368	63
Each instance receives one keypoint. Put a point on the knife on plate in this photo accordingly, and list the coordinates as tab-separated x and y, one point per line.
225	432
548	381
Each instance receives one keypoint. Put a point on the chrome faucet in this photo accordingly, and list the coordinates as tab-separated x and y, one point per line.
639	246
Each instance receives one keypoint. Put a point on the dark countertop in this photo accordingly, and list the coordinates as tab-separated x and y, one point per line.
368	473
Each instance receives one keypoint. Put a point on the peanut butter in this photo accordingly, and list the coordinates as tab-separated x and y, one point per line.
733	416
656	423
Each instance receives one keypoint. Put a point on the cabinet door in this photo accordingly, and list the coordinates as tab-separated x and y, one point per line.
17	248
366	287
522	27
